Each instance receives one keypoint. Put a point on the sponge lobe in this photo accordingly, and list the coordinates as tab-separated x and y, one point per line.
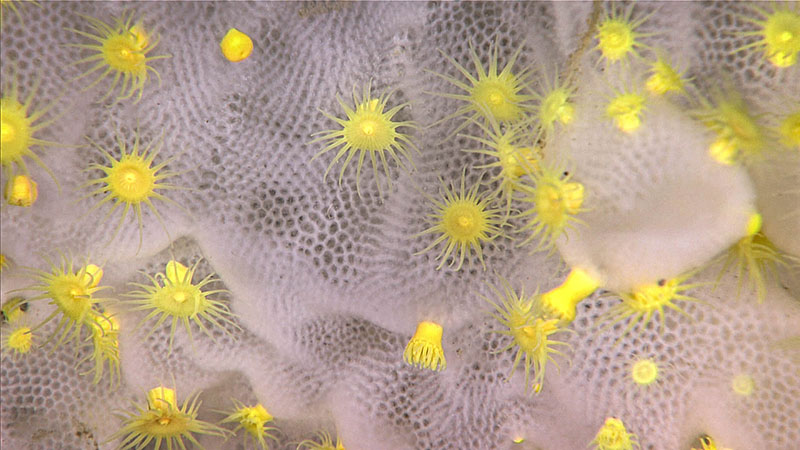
657	207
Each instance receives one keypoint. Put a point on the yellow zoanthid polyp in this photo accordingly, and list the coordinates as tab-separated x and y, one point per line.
644	371
555	201
20	122
625	110
253	419
777	32
614	436
132	181
172	295
325	443
555	104
739	134
17	338
105	348
72	292
424	350
743	385
368	129
647	300
664	78
21	190
236	46
789	130
489	93
464	220
617	35
509	149
523	320
561	302
161	420
120	49
755	259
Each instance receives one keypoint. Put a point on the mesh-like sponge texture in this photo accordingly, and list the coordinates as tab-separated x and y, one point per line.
45	400
698	358
327	286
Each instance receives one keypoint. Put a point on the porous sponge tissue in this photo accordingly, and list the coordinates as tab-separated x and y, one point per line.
326	283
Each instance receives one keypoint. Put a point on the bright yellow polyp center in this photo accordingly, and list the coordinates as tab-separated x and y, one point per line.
179	297
644	372
782	38
499	95
508	161
163	419
183	300
424	350
253	419
71	295
131	180
513	159
562	301
21	191
743	385
236	46
526	337
625	110
15	131
495	98
613	436
790	130
463	221
555	201
533	338
21	340
663	79
369	128
615	39
651	297
122	52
